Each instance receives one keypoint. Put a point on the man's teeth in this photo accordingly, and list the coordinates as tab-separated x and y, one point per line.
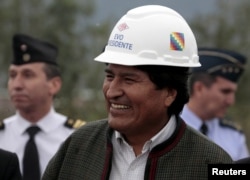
118	106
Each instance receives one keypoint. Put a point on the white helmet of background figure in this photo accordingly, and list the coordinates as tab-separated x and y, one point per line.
151	35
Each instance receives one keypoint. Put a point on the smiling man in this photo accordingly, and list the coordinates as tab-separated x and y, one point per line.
145	89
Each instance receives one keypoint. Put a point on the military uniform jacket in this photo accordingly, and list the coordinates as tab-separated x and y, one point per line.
9	166
220	131
87	154
53	132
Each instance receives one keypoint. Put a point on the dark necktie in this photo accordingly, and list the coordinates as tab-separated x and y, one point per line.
31	169
204	129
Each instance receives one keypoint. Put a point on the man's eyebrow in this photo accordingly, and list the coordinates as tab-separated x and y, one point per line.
124	74
108	70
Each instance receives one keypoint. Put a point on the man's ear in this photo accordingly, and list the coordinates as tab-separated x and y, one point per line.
170	97
198	87
55	85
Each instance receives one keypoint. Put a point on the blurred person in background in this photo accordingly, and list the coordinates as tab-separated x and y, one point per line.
36	131
212	89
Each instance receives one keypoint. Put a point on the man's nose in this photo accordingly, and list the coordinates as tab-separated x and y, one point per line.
114	89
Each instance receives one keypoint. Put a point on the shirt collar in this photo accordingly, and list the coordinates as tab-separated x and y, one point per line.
51	118
190	117
194	121
160	137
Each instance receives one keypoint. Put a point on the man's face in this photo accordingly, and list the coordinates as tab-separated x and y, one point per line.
29	87
218	97
133	103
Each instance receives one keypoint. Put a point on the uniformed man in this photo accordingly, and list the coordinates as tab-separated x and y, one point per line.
212	91
34	80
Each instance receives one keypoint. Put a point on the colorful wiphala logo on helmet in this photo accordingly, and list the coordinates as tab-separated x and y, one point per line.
177	41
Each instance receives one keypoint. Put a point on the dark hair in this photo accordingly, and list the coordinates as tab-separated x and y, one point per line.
52	71
203	77
171	77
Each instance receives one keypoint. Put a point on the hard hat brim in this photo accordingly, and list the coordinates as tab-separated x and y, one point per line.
112	57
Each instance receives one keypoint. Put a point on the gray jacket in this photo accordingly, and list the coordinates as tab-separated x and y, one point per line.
87	155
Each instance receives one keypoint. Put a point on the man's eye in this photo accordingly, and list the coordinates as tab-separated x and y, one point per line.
130	80
109	76
12	75
28	75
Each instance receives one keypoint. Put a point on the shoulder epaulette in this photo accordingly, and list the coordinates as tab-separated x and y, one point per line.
74	123
230	124
1	125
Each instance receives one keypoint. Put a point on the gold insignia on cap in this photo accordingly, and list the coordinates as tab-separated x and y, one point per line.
23	47
26	57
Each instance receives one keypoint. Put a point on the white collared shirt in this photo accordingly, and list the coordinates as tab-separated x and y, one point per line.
231	140
53	132
127	166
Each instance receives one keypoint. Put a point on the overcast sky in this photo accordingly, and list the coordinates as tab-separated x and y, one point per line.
114	9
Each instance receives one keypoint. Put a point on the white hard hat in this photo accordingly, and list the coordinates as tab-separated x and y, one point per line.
151	35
